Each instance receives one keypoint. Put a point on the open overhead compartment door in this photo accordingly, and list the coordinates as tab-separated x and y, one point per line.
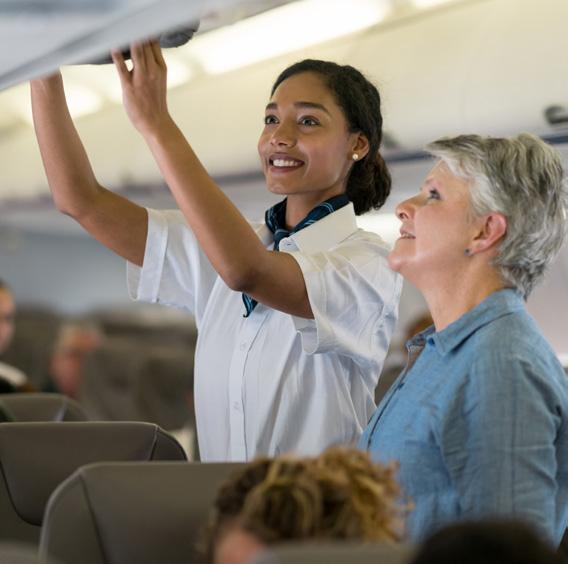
38	36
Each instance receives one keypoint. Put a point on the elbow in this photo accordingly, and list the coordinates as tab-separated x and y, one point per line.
240	278
74	203
63	207
75	212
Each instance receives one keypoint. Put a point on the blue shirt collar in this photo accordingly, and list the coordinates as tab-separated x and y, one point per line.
496	305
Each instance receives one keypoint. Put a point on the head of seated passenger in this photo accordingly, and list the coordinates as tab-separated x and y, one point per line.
11	378
7	315
75	341
487	542
340	494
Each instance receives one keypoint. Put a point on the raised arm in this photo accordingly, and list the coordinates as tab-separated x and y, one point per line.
235	251
113	220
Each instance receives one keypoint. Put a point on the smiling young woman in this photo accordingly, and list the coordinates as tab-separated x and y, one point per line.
290	343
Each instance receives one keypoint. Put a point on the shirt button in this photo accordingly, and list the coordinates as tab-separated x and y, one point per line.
236	406
243	346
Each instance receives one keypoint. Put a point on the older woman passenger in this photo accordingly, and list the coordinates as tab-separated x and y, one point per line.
478	419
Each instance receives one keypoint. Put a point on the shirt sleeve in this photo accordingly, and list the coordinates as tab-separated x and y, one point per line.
175	271
498	441
354	297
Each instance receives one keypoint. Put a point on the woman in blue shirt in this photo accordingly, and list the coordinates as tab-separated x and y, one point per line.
478	420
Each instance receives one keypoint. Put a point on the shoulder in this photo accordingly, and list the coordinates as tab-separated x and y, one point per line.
363	250
512	352
12	374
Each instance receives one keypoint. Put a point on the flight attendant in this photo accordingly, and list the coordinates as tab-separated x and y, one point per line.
294	314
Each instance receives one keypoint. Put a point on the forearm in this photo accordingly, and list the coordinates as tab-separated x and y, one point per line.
69	173
230	243
116	222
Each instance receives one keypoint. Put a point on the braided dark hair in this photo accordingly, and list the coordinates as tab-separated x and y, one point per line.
369	182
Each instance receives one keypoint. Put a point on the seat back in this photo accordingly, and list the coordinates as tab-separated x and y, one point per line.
337	553
164	382
109	380
41	407
124	512
36	457
11	553
563	548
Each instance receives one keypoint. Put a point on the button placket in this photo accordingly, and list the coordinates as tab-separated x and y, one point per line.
236	384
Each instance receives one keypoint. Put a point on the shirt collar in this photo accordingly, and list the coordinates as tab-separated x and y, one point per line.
493	307
320	236
328	231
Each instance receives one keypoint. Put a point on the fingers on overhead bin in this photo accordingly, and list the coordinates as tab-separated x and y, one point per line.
157	53
120	64
139	54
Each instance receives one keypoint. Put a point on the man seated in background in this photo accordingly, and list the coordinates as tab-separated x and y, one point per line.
75	341
11	379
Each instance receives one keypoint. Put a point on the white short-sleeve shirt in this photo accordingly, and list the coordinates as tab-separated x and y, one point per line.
273	383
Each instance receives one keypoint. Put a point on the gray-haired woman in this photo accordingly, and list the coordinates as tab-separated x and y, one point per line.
479	417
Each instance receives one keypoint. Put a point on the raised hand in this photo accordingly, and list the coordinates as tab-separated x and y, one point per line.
144	87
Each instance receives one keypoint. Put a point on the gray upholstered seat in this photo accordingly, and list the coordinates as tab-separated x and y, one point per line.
11	553
41	407
36	457
336	553
125	513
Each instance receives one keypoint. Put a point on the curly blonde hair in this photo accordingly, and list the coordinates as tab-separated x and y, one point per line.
340	494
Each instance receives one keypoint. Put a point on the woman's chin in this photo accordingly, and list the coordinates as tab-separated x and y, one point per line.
396	262
277	188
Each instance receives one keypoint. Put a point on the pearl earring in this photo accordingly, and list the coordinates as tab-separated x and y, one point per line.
355	156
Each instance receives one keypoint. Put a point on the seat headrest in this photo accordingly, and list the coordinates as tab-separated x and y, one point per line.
36	457
42	407
343	552
143	513
20	553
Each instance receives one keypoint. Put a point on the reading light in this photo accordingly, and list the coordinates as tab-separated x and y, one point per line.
284	29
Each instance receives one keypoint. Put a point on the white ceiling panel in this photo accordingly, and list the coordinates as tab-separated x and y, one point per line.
39	36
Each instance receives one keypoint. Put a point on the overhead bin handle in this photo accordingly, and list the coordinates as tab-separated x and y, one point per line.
556	115
172	38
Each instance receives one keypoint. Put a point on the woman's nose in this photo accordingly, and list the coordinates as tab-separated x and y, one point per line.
405	209
283	135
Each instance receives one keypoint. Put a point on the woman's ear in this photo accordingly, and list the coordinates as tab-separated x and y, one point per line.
360	145
492	229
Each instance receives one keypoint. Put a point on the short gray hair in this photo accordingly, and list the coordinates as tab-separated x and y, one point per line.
522	178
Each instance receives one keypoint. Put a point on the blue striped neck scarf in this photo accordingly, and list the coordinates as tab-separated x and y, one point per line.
275	218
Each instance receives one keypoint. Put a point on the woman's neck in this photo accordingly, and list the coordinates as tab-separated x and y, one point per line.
450	300
298	206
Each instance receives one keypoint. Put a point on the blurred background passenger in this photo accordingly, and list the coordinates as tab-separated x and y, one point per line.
76	340
487	542
340	494
11	378
396	357
478	421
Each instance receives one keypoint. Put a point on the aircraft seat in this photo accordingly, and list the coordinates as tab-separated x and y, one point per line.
36	457
337	553
127	512
41	407
16	553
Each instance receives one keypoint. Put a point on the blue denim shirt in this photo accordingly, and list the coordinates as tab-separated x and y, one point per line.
478	422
